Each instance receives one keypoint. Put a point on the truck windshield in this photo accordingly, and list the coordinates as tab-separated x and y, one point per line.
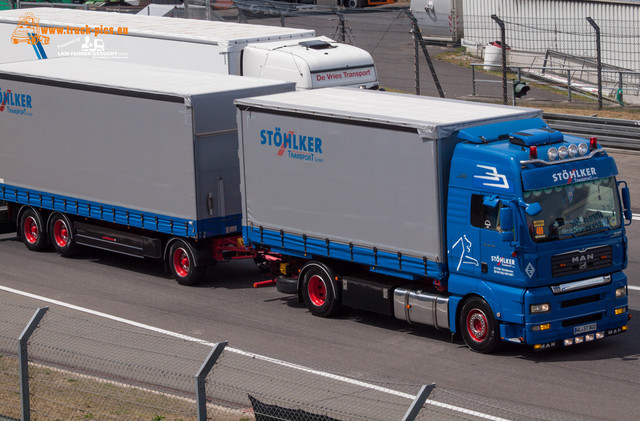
574	209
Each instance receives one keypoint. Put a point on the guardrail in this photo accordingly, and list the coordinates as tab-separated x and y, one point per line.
613	132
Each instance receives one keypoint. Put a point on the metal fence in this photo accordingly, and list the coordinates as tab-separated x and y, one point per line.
83	367
91	366
571	54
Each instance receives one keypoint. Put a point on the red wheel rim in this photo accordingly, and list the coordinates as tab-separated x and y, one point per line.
30	229
477	325
181	262
61	233
317	290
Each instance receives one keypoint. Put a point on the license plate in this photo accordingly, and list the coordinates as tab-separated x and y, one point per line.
585	328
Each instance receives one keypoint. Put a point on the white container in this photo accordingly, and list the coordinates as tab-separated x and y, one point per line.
493	56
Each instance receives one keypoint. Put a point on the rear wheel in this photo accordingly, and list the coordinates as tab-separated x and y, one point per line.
61	232
31	229
478	326
318	291
353	4
182	264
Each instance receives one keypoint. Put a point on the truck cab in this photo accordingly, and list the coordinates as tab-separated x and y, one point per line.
536	230
311	63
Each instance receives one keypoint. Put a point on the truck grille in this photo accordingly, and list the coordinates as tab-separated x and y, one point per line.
579	301
581	261
581	320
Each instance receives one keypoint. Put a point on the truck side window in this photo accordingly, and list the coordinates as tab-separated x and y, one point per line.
484	216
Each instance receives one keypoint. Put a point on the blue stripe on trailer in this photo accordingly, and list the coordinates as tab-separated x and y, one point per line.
202	228
385	262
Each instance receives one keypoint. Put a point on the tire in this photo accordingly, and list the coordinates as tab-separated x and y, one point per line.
61	235
478	326
31	230
182	264
318	292
353	4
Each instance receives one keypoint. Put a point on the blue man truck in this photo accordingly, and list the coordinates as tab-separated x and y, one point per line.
475	218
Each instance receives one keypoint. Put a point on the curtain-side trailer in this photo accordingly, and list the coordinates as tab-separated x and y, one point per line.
134	159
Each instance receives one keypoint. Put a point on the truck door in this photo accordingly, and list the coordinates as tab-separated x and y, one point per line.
496	260
464	239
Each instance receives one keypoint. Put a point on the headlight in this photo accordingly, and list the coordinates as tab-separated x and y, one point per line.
552	154
621	292
573	150
583	149
563	152
539	308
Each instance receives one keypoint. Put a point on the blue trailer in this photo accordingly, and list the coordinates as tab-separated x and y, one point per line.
475	218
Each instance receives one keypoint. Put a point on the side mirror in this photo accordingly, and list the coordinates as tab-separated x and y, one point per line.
506	219
626	198
507	236
626	203
533	209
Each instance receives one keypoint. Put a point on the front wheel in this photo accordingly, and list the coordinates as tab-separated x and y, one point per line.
478	326
318	291
182	264
31	229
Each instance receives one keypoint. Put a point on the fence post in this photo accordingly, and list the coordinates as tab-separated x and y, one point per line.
418	402
23	356
201	395
599	55
417	36
473	80
343	28
619	93
241	16
416	58
207	4
503	40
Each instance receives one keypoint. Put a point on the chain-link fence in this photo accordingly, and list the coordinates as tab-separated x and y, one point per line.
589	57
91	366
83	367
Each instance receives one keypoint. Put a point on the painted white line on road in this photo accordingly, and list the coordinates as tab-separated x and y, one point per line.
633	287
249	354
636	216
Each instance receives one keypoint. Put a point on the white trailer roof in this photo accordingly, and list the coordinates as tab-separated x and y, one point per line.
428	115
158	27
131	77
